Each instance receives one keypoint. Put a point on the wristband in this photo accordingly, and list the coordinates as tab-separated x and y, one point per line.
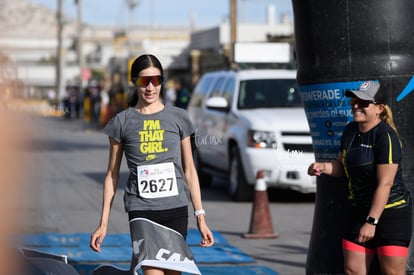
199	212
371	220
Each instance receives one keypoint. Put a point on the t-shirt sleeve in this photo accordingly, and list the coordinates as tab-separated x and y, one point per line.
114	129
388	148
187	127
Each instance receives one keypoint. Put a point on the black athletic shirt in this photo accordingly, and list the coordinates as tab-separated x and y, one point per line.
362	152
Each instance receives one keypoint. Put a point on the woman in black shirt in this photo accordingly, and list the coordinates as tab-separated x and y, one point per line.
380	213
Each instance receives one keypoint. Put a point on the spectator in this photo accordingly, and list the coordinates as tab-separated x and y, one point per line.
183	95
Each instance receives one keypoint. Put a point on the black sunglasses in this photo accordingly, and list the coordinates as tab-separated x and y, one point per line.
143	81
361	103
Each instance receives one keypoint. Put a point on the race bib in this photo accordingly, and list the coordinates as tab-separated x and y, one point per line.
157	180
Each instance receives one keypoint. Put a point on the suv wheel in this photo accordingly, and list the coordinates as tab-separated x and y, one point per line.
204	178
238	189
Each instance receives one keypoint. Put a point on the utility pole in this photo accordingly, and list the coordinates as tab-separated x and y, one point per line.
59	57
80	41
233	29
131	5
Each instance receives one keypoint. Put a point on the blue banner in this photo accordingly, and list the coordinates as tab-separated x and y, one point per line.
328	111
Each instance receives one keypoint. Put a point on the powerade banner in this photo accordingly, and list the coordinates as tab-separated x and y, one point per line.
159	246
328	111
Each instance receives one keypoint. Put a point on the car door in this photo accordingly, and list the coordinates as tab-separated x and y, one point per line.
210	134
226	121
217	133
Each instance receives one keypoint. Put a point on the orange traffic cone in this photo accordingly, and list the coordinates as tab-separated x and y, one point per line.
261	221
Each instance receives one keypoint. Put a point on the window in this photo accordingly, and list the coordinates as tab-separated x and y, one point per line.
228	91
201	91
268	93
216	91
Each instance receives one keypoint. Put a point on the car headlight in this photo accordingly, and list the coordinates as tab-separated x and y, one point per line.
261	139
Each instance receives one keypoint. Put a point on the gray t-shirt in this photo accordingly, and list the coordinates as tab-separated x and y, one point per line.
147	140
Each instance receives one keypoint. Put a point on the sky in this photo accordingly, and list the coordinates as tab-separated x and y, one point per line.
203	13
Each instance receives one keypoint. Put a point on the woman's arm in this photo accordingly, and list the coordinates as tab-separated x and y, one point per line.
109	190
332	168
194	186
385	174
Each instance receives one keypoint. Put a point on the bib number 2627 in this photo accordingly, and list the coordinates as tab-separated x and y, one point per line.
157	180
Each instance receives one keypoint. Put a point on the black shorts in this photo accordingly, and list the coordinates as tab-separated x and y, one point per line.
393	228
176	218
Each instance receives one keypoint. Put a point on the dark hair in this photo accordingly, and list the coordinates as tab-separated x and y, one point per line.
143	62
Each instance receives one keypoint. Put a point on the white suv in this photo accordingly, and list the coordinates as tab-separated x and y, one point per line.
249	121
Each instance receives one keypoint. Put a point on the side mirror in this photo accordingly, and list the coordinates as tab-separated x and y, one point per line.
217	103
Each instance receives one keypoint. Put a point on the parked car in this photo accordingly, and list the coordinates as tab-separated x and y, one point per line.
248	121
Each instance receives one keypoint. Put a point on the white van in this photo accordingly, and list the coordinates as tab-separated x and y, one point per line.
249	121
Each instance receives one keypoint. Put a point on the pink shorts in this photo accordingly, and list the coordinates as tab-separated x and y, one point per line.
386	250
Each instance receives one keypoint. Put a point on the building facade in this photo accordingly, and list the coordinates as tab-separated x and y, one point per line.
29	47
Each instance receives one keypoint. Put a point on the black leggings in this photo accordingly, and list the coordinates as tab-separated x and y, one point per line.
175	218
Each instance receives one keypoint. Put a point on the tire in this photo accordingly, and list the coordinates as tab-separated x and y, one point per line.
238	188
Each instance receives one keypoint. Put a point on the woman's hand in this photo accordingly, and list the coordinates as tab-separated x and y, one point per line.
97	239
207	238
316	168
366	233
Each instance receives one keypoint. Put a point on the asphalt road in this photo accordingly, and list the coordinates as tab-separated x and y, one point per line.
64	165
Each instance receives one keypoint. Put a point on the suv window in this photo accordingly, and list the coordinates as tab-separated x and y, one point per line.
216	91
201	91
265	93
229	90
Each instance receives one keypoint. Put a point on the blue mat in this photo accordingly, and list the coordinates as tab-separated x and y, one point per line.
220	254
194	238
236	270
215	254
85	254
205	270
74	240
120	239
117	248
221	259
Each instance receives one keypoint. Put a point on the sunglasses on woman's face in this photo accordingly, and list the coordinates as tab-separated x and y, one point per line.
360	102
143	81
